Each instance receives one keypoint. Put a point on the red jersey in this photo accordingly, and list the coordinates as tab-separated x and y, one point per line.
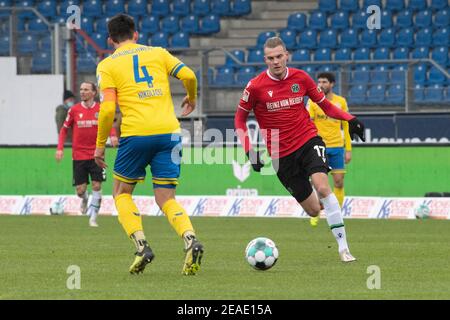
83	120
280	110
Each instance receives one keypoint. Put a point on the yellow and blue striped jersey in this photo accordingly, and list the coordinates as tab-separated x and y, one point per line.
140	76
333	132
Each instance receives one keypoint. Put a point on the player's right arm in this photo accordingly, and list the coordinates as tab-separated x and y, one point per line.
63	134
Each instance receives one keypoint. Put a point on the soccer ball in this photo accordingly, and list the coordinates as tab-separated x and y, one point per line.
423	212
261	253
57	208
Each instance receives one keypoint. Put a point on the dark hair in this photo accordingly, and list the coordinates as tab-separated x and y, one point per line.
121	27
93	85
327	75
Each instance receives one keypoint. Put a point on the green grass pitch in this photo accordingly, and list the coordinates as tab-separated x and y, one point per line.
413	257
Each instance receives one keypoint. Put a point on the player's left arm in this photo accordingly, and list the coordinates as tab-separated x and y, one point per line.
105	123
347	139
317	96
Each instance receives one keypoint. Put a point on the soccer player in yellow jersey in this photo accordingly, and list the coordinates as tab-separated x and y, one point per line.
335	134
136	77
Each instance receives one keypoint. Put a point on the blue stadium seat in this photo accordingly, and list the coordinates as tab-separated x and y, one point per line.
440	55
181	7
113	7
387	38
423	37
380	74
328	68
180	40
340	20
323	54
349	38
201	7
343	54
290	38
244	75
27	43
87	24
436	76
369	38
359	20
241	7
160	7
423	19
150	24
37	25
398	73
297	21
47	8
441	18
221	7
447	93
381	53
327	6
4	45
434	93
357	94
224	77
92	8
101	24
386	19
5	3
420	73
376	94
80	45
396	94
308	39
401	53
21	23
318	20
238	54
255	56
368	3
301	55
439	4
361	54
395	5
309	69
441	37
328	39
45	43
209	24
420	53
190	24
417	5
361	74
100	39
25	4
42	62
137	8
405	37
142	38
170	24
349	5
262	37
210	76
419	93
404	19
86	62
159	39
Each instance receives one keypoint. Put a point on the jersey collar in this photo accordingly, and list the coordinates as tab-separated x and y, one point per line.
275	79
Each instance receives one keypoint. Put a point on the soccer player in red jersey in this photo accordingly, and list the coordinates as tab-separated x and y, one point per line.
297	152
82	117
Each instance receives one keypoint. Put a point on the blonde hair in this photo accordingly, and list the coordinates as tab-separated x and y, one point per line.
274	42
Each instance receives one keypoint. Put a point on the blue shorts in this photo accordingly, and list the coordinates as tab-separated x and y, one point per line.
336	159
162	152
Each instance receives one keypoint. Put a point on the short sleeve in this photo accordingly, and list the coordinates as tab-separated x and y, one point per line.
248	98
104	78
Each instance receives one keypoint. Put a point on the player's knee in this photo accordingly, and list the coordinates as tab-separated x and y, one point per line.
323	191
313	211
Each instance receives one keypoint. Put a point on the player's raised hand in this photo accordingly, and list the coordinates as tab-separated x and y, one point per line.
255	159
99	157
356	127
187	106
59	155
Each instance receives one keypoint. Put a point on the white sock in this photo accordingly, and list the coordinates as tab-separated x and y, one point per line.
335	221
94	207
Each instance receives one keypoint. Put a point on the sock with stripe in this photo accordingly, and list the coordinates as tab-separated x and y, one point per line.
335	221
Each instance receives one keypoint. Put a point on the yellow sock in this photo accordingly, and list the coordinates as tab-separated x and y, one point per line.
340	194
129	215
177	216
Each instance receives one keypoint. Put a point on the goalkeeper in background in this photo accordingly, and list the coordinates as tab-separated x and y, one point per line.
137	77
335	134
